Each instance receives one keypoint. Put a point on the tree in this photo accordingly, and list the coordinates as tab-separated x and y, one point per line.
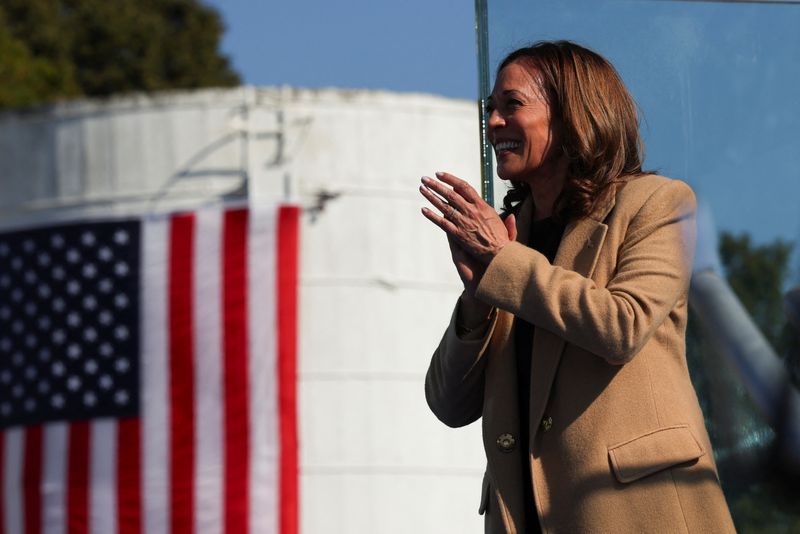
759	500
56	49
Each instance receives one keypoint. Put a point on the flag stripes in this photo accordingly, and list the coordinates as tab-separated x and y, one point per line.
214	448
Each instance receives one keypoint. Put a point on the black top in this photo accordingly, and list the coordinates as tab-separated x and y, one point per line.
545	236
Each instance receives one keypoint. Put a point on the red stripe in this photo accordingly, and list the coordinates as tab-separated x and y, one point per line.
32	480
288	240
78	478
235	345
181	355
2	483
129	480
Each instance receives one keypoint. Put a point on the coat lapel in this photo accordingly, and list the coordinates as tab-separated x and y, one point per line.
579	249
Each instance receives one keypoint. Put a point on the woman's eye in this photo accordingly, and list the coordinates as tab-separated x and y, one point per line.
513	103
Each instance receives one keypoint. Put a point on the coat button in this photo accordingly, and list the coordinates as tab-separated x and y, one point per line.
547	423
506	442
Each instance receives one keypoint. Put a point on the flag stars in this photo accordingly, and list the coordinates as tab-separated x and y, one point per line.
5	281
58	304
57	401
105	285
30	308
90	367
105	318
58	369
17	294
5	409
74	319
106	350
45	354
89	399
30	277
28	245
30	372
121	332
44	291
121	301
89	302
121	397
30	404
74	383
106	382
43	387
89	271
121	237
5	377
73	255
57	241
121	269
5	344
58	273
90	334
43	259
73	287
16	263
44	322
59	336
122	365
17	359
5	313
4	250
88	239
17	391
105	254
74	351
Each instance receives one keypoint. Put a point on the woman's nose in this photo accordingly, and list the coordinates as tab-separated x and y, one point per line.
494	119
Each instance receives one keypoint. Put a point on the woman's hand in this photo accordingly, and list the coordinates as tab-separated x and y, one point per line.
473	226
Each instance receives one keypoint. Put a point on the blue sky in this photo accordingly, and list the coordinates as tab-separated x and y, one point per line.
717	83
414	45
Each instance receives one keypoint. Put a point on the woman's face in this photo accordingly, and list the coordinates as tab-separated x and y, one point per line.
520	127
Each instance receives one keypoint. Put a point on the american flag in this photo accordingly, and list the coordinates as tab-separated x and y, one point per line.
147	375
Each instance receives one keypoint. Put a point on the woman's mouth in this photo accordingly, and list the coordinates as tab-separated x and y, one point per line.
506	146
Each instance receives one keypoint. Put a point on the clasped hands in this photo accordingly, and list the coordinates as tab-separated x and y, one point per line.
475	232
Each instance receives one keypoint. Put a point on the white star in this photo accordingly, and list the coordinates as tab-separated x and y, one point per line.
105	254
30	372
73	255
89	398
16	294
4	250
5	409
89	271
43	387
17	390
59	304
28	245
30	404
121	397
17	359
57	241
121	300
90	334
31	341
73	319
30	308
59	336
30	277
121	332
5	376
106	350
43	258
121	268
105	285
17	327
89	302
122	365
5	344
105	317
73	287
73	383
44	354
5	312
16	263
88	239
57	401
58	369
5	280
44	291
74	351
90	367
44	322
106	382
58	272
121	237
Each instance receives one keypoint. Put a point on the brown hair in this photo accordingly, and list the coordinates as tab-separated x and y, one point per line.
601	129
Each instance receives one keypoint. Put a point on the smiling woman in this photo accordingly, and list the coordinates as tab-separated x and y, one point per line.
569	337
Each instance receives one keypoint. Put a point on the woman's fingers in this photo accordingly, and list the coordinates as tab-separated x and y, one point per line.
460	186
450	196
440	221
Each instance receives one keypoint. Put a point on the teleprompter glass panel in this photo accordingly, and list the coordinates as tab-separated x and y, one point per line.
717	87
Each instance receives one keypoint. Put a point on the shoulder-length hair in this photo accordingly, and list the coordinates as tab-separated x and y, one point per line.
600	140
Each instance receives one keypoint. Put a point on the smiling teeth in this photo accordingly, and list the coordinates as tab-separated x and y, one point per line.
507	145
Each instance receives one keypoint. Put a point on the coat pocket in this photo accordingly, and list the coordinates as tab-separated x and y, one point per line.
484	495
654	451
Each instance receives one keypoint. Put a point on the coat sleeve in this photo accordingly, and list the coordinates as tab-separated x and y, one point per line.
455	379
614	322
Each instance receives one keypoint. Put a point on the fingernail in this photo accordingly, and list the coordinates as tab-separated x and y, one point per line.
426	179
439	173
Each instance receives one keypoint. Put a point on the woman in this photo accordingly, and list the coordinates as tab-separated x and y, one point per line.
568	339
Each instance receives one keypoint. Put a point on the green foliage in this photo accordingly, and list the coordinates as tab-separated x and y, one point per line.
760	502
55	49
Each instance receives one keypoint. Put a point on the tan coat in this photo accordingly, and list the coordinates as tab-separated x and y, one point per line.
617	438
